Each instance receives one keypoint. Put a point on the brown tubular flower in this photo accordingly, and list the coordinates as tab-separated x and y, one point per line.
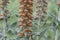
25	14
21	34
26	30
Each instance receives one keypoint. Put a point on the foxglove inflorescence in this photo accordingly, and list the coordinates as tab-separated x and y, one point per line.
25	16
3	7
41	8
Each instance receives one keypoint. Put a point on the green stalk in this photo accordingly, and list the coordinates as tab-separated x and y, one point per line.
5	25
56	35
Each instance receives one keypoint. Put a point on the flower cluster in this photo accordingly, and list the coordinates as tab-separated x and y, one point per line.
41	9
3	7
25	14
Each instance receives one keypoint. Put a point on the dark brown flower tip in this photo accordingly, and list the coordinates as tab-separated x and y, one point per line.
26	30
45	2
